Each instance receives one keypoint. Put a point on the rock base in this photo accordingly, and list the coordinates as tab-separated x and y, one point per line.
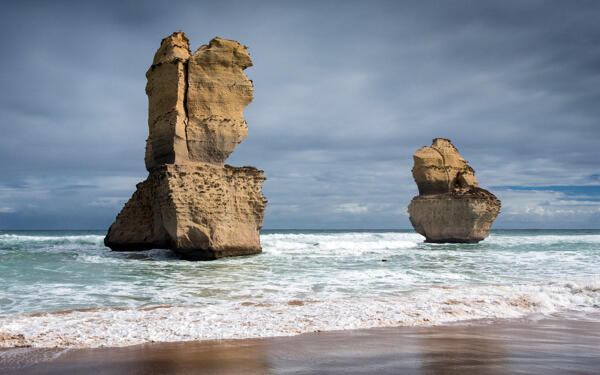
200	211
454	217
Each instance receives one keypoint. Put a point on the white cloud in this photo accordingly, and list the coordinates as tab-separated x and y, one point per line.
541	208
116	202
352	208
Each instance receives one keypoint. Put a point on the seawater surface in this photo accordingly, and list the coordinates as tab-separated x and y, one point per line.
64	288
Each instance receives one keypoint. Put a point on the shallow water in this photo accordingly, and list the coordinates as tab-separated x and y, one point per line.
304	281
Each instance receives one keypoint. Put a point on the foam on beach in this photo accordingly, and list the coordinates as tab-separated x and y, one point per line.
70	291
247	319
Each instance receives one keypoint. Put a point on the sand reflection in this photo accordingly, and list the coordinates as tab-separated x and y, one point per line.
549	346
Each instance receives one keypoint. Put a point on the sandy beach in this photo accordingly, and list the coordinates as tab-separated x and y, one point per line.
548	346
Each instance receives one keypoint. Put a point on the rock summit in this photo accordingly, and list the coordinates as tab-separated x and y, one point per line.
191	202
450	207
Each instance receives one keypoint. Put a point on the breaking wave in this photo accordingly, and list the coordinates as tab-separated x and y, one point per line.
120	327
66	289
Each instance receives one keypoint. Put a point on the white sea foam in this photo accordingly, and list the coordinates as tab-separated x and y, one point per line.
541	240
19	238
333	243
302	282
434	306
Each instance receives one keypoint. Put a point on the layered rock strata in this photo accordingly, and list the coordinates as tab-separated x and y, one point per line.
450	207
191	202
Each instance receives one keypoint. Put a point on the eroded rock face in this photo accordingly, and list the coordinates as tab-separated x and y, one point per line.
202	211
166	90
191	202
450	207
196	101
218	92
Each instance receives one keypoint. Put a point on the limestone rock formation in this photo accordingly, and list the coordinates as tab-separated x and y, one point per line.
191	202
450	207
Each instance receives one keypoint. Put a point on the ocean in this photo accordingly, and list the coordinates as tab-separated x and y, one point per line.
65	288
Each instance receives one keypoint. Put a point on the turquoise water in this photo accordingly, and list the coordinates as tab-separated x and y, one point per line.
303	281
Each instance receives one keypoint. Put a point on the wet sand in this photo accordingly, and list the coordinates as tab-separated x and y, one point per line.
546	346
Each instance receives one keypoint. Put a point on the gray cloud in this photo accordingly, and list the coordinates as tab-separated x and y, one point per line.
345	93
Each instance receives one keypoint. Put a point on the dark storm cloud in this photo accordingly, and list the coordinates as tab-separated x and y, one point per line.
345	92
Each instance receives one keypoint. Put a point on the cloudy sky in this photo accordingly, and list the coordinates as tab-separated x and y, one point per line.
345	92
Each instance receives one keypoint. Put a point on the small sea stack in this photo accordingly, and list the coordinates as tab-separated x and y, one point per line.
450	207
191	202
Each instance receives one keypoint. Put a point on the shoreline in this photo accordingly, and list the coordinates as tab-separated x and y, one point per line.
82	328
548	345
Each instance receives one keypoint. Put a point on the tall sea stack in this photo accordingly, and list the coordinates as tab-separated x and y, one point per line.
191	202
450	207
